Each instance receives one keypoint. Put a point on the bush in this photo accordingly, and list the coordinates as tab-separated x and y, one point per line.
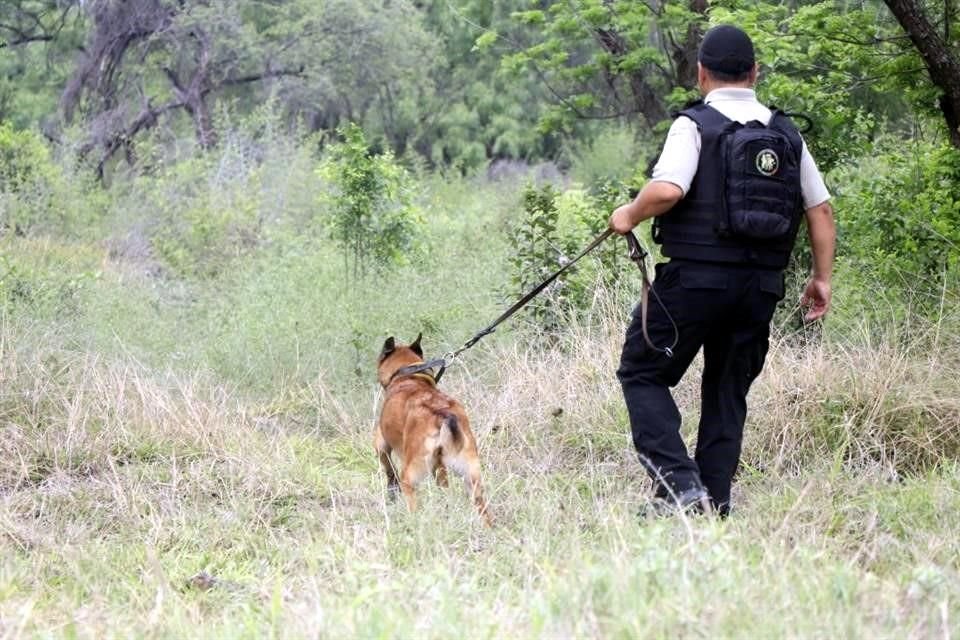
372	219
899	227
200	222
555	228
908	213
28	179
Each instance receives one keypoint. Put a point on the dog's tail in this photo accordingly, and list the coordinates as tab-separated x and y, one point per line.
450	429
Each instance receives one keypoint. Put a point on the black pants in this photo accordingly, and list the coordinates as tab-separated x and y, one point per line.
726	309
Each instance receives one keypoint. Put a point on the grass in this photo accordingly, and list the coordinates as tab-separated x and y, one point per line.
187	458
146	503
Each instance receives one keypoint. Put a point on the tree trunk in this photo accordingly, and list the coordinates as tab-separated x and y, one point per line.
942	63
197	94
685	54
202	124
193	95
645	99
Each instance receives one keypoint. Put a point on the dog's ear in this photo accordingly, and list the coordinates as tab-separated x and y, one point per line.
388	347
416	345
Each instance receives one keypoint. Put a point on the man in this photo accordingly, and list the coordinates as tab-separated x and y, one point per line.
725	276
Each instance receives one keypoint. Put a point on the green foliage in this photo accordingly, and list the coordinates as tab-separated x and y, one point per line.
37	195
555	227
610	259
473	113
600	61
536	254
899	225
371	219
846	66
199	225
911	214
24	159
39	40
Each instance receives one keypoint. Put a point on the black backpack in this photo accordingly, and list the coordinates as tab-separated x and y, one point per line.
744	204
761	179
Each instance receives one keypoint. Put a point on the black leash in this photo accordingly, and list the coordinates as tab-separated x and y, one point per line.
637	255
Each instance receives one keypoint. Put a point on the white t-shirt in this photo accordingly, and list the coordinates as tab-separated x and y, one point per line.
681	152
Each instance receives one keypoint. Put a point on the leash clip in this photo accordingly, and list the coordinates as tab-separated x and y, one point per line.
445	361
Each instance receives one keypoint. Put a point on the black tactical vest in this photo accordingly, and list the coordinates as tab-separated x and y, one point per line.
744	205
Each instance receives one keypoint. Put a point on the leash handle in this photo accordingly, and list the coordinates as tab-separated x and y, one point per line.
639	255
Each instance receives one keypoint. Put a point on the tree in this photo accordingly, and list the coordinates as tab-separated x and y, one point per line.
474	112
605	59
37	40
369	61
940	53
371	217
847	66
147	58
26	21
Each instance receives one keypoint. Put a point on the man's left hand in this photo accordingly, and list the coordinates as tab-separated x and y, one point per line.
656	197
622	219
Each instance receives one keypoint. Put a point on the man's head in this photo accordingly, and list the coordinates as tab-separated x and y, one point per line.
726	58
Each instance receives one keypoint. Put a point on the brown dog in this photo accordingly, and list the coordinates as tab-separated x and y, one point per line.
426	427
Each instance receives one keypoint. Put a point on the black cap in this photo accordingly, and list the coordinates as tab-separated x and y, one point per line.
726	49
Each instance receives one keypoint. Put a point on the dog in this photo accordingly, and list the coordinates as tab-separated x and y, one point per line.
428	429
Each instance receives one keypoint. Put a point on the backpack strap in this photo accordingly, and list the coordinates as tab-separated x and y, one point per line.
781	122
807	121
704	116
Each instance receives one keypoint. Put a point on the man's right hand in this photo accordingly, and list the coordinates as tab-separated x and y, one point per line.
816	295
823	242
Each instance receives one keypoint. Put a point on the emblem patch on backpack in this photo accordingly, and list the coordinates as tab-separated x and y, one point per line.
768	162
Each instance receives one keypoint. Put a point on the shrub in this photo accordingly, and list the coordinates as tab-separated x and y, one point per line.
909	213
371	219
28	178
899	227
555	228
200	221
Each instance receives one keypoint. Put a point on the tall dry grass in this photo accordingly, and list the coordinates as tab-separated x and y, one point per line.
136	502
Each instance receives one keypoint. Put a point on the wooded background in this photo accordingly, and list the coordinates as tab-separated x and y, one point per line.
460	82
123	89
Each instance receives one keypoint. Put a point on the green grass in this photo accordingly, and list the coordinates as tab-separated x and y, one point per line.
121	485
187	458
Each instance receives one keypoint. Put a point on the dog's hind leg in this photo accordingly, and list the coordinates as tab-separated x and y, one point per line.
467	466
475	490
414	470
393	485
386	463
440	471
